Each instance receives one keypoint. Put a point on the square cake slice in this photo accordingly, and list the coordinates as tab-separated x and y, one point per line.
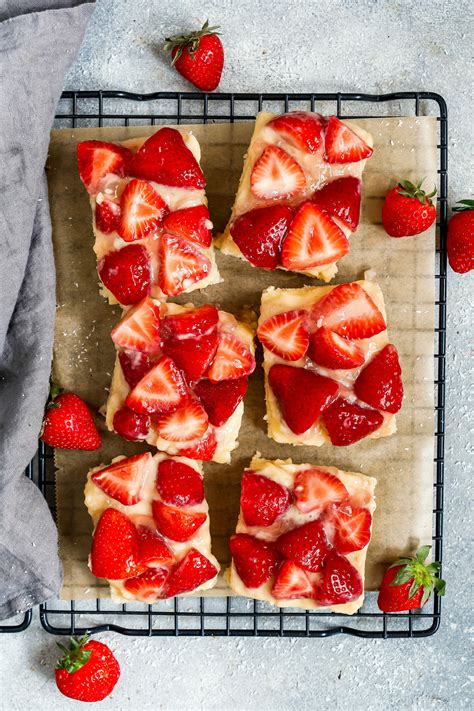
331	374
302	535
180	377
153	234
151	527
299	194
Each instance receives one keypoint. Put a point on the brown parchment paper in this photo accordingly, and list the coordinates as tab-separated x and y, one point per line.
84	354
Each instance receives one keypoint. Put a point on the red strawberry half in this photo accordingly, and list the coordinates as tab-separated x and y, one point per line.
193	571
262	500
351	528
126	273
148	587
139	330
259	234
316	488
176	524
232	360
191	223
255	560
186	423
291	583
332	351
220	400
161	390
380	383
107	215
313	239
179	484
142	210
347	423
285	334
276	175
114	553
190	339
203	449
306	545
349	311
340	583
134	366
152	550
181	265
343	145
294	386
96	159
300	128
164	158
341	198
130	425
123	480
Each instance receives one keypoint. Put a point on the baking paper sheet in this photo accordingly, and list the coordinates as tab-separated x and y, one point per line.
84	354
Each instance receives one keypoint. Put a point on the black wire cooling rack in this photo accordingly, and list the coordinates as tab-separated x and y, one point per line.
227	616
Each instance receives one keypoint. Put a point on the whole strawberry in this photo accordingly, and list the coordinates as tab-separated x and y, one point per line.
461	237
198	56
408	210
88	671
408	583
68	423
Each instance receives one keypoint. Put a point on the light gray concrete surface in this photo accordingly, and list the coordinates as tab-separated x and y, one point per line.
288	45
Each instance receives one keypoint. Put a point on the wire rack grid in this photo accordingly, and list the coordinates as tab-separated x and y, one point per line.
226	616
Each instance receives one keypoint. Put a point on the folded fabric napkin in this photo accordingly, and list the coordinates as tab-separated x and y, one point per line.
38	42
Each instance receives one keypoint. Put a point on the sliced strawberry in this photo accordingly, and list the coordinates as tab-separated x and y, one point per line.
181	265
176	524
114	553
285	334
96	159
316	488
193	571
291	582
262	500
131	425
313	239
107	215
341	582
179	484
220	400
341	198
351	528
164	158
142	211
139	329
148	587
203	449
303	129
161	390
188	422
343	145
152	550
255	560
232	360
191	223
306	545
124	480
126	273
332	351
380	383
259	234
190	339
294	386
134	366
349	311
347	423
276	175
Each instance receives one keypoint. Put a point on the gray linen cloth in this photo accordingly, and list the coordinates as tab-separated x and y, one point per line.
38	42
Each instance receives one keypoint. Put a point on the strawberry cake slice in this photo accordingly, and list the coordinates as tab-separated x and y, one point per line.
153	234
151	527
328	347
302	535
180	377
299	194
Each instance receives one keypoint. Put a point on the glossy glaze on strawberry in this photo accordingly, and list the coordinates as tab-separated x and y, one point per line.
153	233
180	378
302	535
300	193
331	374
151	539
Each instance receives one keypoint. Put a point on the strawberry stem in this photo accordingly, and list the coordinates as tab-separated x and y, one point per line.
75	656
463	205
415	191
189	41
423	576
